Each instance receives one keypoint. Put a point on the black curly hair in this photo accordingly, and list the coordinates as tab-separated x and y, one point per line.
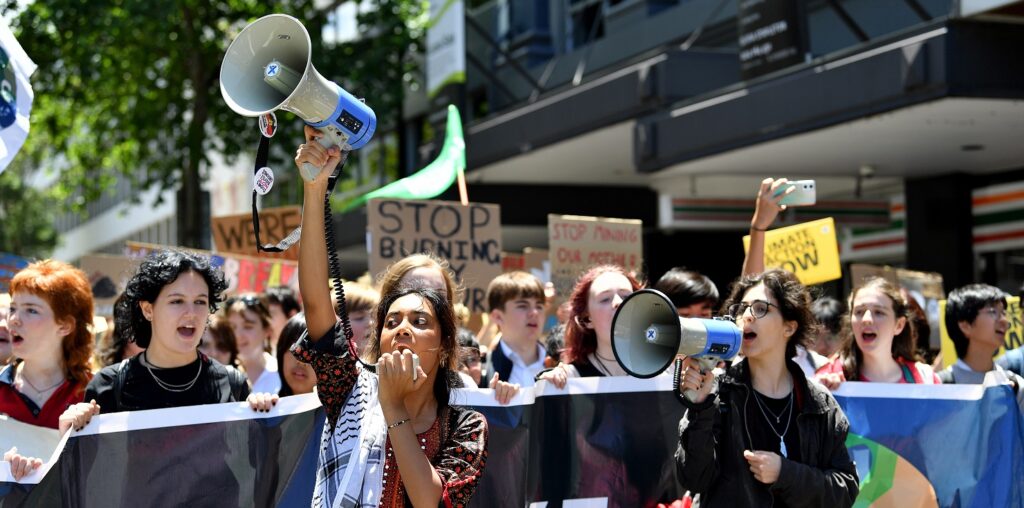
156	271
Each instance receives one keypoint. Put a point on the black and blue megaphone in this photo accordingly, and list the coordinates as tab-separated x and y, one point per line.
648	334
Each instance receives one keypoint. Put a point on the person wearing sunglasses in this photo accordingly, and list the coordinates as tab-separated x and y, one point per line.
976	321
761	434
883	344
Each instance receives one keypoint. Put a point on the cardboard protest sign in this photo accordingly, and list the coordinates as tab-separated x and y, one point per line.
1014	334
808	250
577	243
234	233
244	274
468	237
107	276
924	287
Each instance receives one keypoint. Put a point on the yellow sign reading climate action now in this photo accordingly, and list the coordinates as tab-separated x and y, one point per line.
809	250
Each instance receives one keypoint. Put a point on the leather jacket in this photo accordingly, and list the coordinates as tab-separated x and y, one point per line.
714	433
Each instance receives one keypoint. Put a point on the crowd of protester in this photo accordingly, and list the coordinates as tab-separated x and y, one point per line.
403	346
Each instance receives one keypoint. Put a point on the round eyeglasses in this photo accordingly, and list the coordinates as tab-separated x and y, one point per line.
758	308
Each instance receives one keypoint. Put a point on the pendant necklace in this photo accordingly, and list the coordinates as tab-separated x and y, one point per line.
778	419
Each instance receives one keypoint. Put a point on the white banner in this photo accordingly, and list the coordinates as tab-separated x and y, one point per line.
15	95
446	45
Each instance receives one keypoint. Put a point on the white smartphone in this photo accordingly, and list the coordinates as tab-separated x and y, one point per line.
804	193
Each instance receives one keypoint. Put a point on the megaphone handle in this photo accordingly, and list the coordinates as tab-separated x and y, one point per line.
330	138
706	364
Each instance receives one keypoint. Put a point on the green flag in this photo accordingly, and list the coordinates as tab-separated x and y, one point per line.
433	179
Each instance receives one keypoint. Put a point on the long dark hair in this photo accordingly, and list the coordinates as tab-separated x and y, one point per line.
903	344
793	300
448	357
292	331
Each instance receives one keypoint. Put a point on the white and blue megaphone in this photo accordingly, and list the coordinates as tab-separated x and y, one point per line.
648	334
269	67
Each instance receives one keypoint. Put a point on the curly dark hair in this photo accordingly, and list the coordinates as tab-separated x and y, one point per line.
156	271
793	299
448	359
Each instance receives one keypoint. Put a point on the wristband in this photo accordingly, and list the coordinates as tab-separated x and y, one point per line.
398	423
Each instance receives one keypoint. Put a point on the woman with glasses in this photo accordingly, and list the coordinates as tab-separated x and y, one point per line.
392	438
165	309
250	321
882	349
761	434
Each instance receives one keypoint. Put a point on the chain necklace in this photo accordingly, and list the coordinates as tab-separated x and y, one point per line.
778	419
25	380
168	386
600	363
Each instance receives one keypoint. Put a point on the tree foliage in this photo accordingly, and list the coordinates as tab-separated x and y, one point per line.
129	88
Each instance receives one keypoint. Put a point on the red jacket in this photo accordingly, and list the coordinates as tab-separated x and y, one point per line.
21	408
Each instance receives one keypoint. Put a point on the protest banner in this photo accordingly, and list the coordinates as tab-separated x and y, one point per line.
924	287
1014	334
234	233
468	237
512	261
9	266
808	250
243	274
107	276
577	243
609	441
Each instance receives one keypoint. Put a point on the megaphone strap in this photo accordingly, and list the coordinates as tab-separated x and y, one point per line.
262	154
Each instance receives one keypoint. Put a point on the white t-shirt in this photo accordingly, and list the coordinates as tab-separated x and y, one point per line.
269	381
523	374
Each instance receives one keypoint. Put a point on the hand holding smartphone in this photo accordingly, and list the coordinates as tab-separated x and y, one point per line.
804	193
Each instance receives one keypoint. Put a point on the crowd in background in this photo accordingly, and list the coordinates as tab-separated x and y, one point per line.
57	373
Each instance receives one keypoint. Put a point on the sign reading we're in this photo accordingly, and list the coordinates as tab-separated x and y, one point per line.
234	233
808	250
468	237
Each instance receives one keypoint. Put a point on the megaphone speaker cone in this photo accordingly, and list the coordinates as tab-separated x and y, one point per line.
645	333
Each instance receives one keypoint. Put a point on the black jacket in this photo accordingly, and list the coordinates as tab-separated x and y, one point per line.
713	435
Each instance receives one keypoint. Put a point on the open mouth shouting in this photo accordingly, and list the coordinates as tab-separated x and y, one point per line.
14	339
188	332
749	335
868	336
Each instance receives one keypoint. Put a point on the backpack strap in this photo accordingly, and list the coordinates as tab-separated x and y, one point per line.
119	379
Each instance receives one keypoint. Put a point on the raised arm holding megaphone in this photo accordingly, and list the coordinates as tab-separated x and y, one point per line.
269	67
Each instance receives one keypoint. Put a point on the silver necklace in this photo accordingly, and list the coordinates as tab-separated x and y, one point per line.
789	405
25	381
168	386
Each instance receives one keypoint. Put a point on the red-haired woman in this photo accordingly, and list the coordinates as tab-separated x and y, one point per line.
588	333
51	307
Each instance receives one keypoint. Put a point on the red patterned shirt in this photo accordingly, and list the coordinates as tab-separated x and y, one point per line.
456	443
